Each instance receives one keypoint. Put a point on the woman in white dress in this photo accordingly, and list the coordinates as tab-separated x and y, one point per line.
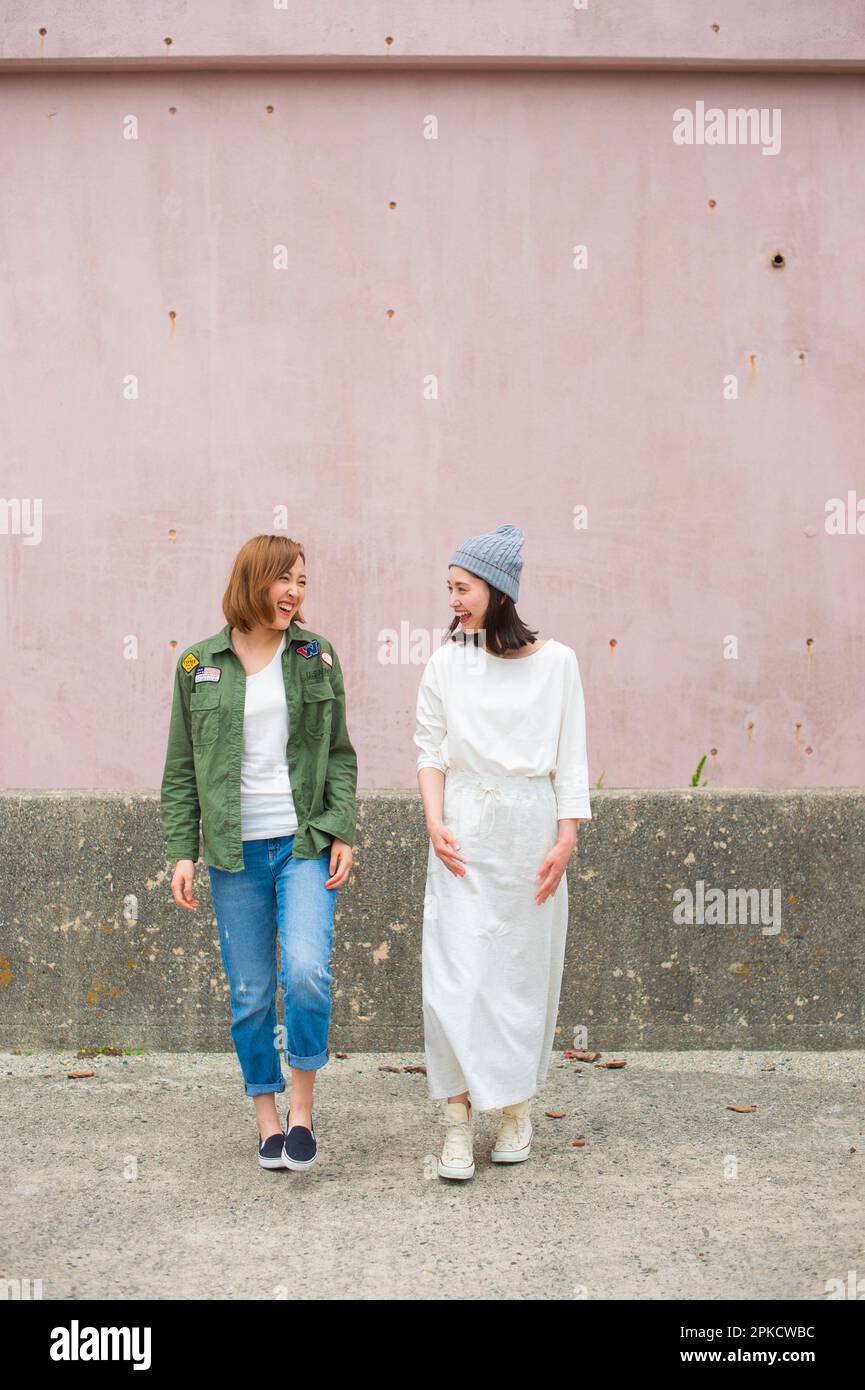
503	777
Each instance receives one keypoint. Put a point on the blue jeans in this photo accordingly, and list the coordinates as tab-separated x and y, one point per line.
275	892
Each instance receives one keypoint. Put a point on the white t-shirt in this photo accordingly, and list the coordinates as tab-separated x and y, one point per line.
507	715
266	803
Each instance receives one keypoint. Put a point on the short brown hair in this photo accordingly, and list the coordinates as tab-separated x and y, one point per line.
257	565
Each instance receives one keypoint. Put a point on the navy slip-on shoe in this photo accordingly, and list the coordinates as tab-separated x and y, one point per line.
270	1151
300	1149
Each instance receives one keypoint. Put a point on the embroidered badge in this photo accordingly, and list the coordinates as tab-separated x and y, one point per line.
208	673
189	662
308	649
327	658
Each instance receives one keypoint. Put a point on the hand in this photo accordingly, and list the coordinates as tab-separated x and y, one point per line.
341	860
446	847
181	884
552	869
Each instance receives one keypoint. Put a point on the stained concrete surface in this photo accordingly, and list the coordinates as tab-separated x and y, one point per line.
94	949
143	1182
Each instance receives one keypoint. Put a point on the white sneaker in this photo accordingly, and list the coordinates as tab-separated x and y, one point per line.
514	1139
457	1160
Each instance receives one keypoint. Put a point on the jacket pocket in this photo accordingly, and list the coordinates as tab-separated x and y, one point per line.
318	698
204	718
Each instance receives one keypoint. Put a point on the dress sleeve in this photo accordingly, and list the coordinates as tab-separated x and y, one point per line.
571	780
430	721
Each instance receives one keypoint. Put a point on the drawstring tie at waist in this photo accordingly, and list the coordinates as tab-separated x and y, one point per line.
488	793
489	790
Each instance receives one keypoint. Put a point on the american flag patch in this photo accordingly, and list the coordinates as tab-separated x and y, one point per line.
208	673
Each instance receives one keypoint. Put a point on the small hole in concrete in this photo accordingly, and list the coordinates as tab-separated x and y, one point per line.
712	203
778	260
172	314
388	40
167	42
390	313
269	110
613	643
716	28
43	32
391	206
172	535
172	110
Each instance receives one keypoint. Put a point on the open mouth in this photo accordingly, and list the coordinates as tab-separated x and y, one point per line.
464	617
285	607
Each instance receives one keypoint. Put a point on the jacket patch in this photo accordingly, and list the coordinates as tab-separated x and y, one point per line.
308	649
190	662
327	658
208	673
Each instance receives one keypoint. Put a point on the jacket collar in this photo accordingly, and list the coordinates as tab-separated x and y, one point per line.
222	641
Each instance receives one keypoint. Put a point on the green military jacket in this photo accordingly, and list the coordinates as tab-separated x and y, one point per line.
201	780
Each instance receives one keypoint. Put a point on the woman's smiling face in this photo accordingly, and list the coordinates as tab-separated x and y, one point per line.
469	598
287	594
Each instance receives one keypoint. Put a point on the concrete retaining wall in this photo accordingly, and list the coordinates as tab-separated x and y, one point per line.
94	950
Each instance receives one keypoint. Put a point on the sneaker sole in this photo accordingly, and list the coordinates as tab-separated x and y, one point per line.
445	1172
503	1156
271	1162
298	1165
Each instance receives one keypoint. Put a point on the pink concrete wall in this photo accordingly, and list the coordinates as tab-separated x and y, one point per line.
557	388
596	32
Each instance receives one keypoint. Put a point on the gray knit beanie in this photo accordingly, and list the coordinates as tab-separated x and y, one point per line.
495	557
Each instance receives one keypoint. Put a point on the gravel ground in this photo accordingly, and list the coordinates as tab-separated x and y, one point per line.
143	1182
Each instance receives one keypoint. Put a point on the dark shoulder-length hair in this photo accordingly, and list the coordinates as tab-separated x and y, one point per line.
505	629
257	565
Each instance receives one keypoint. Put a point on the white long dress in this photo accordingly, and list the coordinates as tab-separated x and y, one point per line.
510	736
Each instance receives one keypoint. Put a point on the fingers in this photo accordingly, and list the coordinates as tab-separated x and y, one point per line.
548	886
452	861
340	868
547	874
448	845
448	840
181	887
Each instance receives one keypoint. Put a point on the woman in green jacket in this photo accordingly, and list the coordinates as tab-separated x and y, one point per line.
259	754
